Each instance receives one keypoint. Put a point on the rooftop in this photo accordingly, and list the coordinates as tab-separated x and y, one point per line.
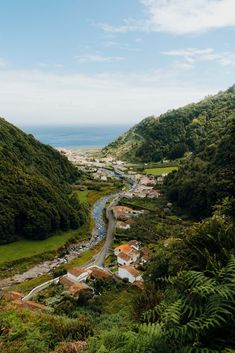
126	248
124	256
131	270
76	271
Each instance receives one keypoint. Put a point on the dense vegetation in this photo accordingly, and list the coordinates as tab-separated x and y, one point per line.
188	301
208	176
35	199
206	131
170	135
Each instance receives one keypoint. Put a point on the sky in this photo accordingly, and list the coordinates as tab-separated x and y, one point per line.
111	62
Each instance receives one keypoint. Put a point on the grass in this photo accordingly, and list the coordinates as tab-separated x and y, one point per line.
159	171
27	248
85	257
28	285
82	195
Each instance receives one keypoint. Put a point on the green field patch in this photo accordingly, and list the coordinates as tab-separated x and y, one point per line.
159	171
28	248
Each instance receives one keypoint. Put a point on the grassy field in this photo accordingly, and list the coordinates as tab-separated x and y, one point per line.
159	171
28	248
24	249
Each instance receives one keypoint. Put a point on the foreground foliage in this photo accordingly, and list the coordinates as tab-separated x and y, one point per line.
193	309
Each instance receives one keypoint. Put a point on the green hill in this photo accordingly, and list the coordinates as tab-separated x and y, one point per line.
35	199
172	134
206	130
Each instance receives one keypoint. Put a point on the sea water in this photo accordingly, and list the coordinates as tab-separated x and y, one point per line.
69	136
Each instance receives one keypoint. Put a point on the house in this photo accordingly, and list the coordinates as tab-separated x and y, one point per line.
77	288
127	253
124	259
130	273
125	224
135	244
122	213
74	287
122	225
145	254
125	248
78	274
97	272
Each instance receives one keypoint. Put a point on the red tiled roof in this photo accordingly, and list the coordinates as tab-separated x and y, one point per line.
99	273
76	288
126	248
76	271
124	256
131	270
67	282
133	243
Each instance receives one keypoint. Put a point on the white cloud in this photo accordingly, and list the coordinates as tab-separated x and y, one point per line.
3	63
180	17
98	58
192	55
44	98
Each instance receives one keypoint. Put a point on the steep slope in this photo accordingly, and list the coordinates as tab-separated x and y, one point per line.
34	188
170	135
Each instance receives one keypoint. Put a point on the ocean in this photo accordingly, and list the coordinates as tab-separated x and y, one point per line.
68	136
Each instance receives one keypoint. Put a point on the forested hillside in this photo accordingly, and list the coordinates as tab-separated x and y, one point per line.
207	177
35	197
170	135
207	131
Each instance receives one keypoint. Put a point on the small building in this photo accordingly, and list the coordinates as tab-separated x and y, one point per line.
122	213
124	248
129	252
130	273
78	274
135	244
124	259
97	272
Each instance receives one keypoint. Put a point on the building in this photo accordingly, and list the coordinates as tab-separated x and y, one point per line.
135	244
122	225
124	259
127	253
78	274
124	248
96	272
130	273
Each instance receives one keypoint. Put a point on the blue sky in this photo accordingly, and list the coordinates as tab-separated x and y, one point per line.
102	61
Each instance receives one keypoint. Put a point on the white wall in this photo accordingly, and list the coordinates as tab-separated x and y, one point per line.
123	273
124	262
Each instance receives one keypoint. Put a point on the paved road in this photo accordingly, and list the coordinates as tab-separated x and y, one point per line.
100	257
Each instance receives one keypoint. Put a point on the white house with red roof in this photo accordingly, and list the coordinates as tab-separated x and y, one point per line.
129	272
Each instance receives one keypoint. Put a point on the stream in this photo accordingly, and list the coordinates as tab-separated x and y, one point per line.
73	250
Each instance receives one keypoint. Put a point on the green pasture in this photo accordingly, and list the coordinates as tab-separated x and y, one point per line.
159	171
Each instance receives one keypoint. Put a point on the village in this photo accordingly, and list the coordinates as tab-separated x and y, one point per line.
130	257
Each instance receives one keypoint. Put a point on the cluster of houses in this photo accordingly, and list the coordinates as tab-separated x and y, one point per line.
129	256
144	188
125	216
80	279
